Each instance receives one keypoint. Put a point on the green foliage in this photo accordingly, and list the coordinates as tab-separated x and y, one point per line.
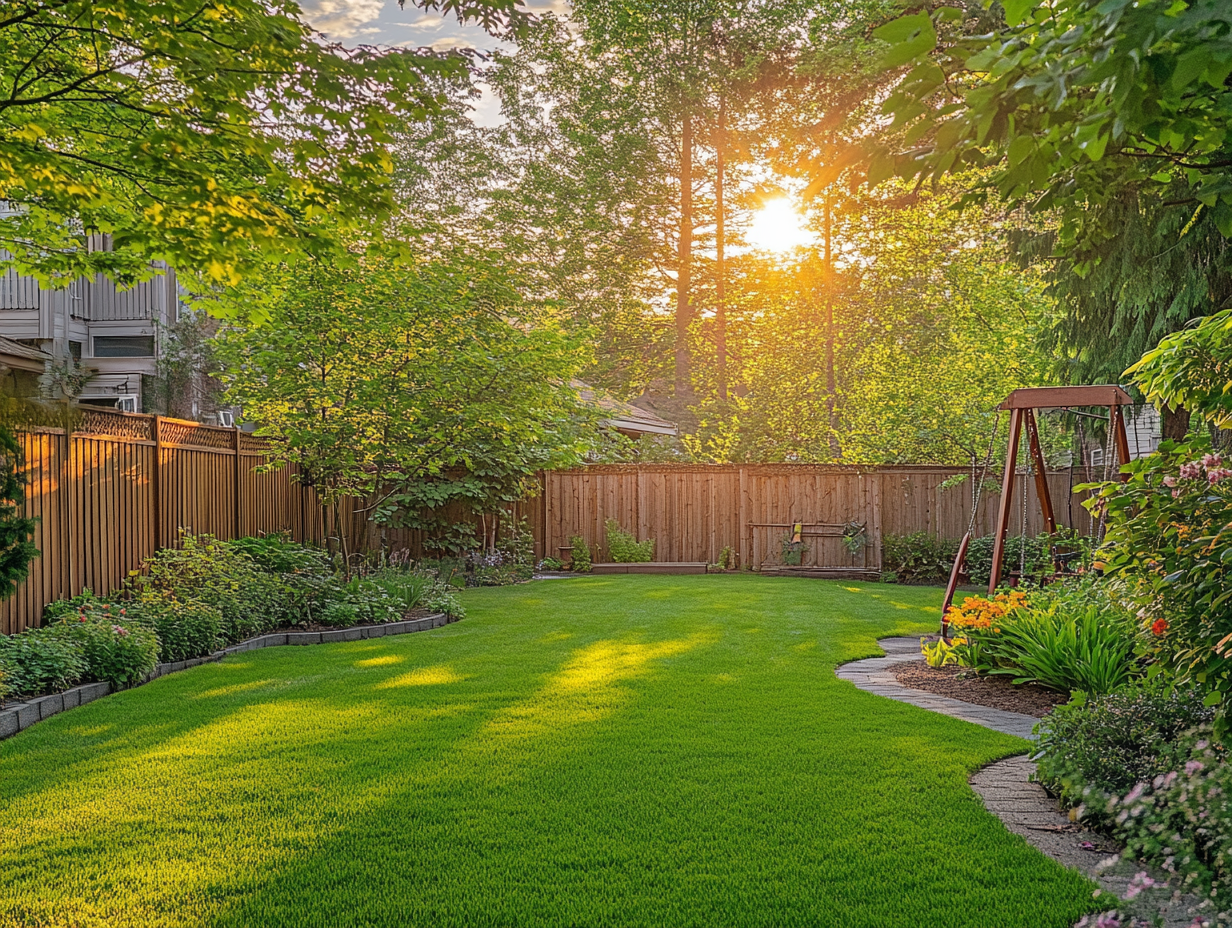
919	557
727	558
938	653
203	136
412	385
119	652
1069	637
1192	370
550	564
249	600
792	552
185	629
1073	106
1112	741
305	573
16	549
41	660
1168	539
1038	556
523	722
624	548
579	555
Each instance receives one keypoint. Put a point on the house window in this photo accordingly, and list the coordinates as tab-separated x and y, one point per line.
123	346
74	350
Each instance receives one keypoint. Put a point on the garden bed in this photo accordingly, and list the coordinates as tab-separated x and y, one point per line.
996	692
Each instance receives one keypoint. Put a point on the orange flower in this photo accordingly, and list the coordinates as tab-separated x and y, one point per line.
1159	627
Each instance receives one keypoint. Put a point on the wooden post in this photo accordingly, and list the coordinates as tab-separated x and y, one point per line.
1041	474
156	483
1007	498
1116	421
239	485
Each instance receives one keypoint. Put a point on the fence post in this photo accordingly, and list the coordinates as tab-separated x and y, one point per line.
239	484
156	483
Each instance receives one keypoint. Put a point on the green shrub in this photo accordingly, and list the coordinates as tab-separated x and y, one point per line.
550	564
41	660
1068	637
249	600
1113	741
185	629
115	652
919	557
517	544
979	556
579	555
305	573
625	548
339	614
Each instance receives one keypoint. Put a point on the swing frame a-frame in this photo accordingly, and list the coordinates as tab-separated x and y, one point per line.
1021	405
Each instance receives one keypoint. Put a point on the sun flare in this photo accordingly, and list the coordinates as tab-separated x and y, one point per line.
777	226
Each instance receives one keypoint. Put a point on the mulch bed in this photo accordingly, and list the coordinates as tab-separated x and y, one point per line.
996	692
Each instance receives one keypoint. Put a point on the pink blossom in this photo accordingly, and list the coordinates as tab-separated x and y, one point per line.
1193	767
120	630
1140	882
1191	471
1169	481
1212	460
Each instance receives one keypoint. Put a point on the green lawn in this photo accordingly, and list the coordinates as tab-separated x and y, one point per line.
660	751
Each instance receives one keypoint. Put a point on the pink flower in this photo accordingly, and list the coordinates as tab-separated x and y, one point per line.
1212	460
1169	481
1213	477
120	630
1193	767
1191	471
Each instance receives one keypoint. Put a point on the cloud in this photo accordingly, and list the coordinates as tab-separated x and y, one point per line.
341	19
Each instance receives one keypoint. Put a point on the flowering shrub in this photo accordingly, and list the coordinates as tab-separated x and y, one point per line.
978	612
1067	637
41	660
1170	540
115	651
1180	819
1108	743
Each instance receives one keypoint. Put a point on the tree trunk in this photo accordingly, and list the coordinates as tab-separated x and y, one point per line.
831	380
1175	423
720	309
684	310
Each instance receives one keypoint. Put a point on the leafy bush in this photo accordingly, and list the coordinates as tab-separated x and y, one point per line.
919	557
1067	637
249	600
339	614
185	629
1167	539
550	564
1113	741
1180	819
579	555
624	548
115	652
979	556
306	574
41	660
792	551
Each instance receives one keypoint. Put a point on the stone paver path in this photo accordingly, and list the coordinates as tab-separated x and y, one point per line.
874	675
1009	793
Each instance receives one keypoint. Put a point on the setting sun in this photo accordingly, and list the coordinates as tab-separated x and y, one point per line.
777	226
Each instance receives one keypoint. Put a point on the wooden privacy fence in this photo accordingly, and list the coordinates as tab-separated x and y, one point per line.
694	511
119	486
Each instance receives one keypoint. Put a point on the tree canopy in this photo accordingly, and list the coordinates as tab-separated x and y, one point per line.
200	134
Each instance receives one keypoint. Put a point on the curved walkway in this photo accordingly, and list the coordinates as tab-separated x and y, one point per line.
1010	794
874	676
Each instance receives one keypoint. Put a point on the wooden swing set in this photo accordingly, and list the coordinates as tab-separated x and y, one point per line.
1021	405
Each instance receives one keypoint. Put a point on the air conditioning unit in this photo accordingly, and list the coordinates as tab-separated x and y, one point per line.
127	403
226	418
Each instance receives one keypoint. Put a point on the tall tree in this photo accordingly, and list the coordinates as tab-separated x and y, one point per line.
200	134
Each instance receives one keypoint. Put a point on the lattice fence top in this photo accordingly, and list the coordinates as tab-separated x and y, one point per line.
170	431
179	432
116	424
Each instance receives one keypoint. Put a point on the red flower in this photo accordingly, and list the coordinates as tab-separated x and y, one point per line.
1159	626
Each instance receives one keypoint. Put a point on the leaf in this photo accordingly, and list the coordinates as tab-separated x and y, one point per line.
1213	699
1016	11
1190	66
910	37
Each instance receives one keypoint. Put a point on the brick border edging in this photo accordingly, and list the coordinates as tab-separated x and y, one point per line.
20	716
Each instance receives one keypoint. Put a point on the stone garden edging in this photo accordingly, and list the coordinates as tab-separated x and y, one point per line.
16	717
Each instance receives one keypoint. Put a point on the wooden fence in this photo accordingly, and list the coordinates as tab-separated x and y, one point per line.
119	486
694	511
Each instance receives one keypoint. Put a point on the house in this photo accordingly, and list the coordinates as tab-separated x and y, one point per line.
623	417
106	339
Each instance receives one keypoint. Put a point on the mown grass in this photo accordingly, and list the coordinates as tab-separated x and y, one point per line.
595	751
